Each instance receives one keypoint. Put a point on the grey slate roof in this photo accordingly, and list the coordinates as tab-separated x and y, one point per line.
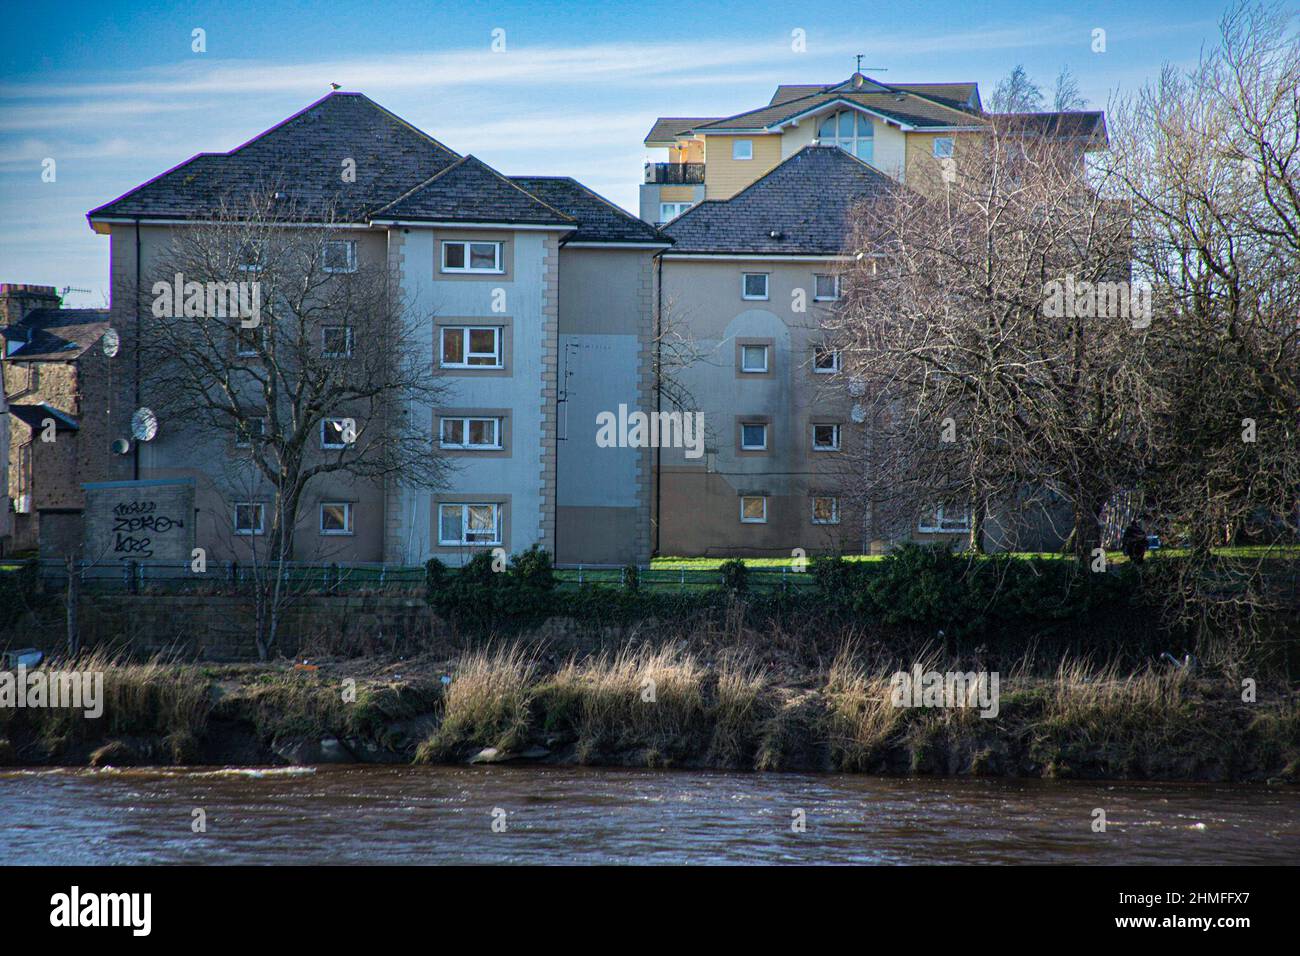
906	108
667	128
1080	124
55	335
599	220
304	154
469	190
808	201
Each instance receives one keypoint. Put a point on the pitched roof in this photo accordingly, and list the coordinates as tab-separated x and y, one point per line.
599	220
1076	124
905	108
304	155
668	128
807	201
469	190
54	335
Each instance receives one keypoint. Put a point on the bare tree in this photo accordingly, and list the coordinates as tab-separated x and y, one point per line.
1210	161
1016	93
1067	96
294	352
976	391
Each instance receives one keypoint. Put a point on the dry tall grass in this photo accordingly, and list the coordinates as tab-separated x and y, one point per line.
487	703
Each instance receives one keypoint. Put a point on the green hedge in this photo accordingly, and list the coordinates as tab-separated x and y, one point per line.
924	589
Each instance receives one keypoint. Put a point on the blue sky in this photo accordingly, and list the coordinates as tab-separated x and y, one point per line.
116	96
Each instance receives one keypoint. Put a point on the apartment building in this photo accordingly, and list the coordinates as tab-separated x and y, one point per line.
541	296
62	415
759	207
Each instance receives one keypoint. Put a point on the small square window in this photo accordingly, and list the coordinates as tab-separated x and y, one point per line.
826	360
825	510
461	524
826	437
668	211
826	288
249	341
753	436
336	517
742	149
336	341
481	257
249	429
341	255
954	520
753	285
470	433
753	358
248	518
943	147
753	509
337	432
466	347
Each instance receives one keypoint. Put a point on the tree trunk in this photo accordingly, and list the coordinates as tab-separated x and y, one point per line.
975	542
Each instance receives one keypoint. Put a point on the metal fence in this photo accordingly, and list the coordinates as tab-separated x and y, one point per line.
227	577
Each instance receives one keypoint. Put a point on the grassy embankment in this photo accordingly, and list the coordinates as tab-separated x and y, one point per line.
668	706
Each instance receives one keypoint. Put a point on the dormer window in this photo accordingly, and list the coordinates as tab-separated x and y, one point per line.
850	130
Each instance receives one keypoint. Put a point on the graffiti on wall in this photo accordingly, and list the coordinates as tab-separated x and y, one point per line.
136	524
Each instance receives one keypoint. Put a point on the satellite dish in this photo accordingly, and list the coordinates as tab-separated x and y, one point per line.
144	424
858	414
121	446
112	342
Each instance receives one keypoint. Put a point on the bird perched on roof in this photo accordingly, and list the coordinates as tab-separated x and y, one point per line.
335	86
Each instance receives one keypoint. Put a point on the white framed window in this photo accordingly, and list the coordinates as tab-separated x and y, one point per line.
336	341
337	432
851	131
477	256
826	288
753	509
753	436
945	520
943	147
668	211
825	509
470	432
465	346
250	256
460	524
753	285
826	437
249	341
249	517
742	149
753	358
336	517
826	360
340	255
248	429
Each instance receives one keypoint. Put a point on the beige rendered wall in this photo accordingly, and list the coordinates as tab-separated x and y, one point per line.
699	508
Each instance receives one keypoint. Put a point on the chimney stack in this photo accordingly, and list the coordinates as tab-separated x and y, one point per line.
19	298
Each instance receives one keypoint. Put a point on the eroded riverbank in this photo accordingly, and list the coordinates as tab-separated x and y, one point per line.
665	707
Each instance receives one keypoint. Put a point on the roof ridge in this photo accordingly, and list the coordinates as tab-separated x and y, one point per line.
533	196
418	186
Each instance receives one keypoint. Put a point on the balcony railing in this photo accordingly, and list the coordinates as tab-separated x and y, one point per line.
679	174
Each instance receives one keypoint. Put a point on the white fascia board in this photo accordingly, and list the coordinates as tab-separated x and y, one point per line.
145	221
504	226
616	245
821	107
758	257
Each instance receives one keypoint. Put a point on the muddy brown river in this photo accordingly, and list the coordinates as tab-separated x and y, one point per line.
366	814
